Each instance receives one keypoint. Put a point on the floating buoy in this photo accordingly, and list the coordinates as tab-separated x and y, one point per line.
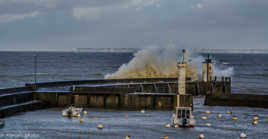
235	118
165	137
243	135
207	112
255	122
100	126
208	124
2	124
82	120
255	118
201	136
84	112
229	112
203	117
127	137
126	116
176	126
219	115
142	111
168	126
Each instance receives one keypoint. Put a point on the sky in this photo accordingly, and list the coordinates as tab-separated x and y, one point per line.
69	24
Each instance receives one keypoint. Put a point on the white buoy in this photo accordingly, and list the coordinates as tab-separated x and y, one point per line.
85	112
100	126
235	118
207	112
255	122
208	124
219	115
203	117
142	111
82	120
176	126
168	126
255	118
201	136
243	135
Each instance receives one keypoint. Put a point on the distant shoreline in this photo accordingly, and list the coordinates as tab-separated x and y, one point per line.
134	50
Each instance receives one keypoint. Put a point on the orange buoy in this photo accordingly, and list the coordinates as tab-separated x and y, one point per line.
207	112
235	118
126	116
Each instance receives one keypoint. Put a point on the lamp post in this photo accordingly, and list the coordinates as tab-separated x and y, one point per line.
35	68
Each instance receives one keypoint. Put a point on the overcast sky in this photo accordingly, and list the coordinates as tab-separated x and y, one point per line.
68	24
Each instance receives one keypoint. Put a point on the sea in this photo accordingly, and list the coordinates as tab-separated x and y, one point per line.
249	75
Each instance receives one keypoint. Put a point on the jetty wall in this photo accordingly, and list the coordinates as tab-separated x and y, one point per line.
149	93
15	100
239	100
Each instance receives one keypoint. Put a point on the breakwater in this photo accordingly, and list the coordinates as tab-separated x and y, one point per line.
238	100
147	93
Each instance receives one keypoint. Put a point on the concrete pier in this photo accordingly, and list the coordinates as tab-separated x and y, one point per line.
151	93
135	100
15	102
239	100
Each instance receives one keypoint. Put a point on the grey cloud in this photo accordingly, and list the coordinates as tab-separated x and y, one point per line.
135	23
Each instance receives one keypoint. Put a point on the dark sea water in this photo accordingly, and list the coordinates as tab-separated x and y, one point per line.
250	71
250	75
49	124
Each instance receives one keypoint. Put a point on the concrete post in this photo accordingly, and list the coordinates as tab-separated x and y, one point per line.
181	77
181	81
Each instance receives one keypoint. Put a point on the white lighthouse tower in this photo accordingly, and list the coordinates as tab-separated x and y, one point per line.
183	113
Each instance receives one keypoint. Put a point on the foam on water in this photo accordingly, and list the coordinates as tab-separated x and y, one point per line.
161	62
